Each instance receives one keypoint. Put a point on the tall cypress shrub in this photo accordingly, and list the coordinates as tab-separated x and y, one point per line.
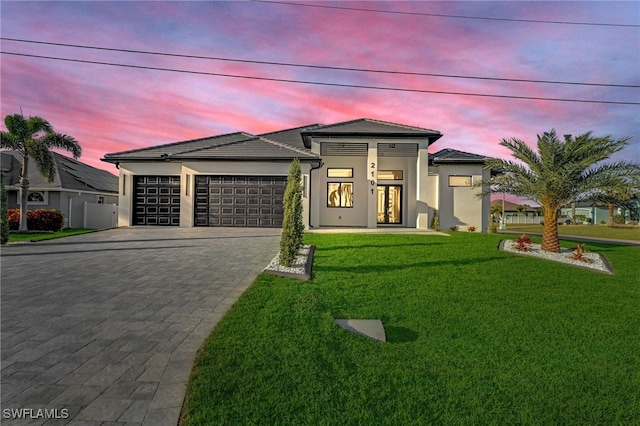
4	217
292	225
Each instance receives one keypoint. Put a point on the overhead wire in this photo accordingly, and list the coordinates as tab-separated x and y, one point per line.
357	86
440	15
312	66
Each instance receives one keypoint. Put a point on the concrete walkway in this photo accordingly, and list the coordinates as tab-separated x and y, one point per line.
103	328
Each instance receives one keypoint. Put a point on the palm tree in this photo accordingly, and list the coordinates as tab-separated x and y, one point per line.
620	196
559	172
34	138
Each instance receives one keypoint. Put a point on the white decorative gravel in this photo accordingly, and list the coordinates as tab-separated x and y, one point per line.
596	261
298	265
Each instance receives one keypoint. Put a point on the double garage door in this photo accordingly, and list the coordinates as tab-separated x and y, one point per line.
245	201
242	201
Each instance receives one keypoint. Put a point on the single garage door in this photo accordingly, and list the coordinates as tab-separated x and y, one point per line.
240	201
157	200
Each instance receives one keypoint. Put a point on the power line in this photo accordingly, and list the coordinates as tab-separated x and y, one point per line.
438	15
355	86
325	67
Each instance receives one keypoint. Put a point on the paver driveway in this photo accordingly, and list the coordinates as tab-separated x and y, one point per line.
104	327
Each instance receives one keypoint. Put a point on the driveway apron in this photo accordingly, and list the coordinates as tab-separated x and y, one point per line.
103	328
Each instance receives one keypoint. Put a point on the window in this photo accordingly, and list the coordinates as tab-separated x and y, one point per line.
340	173
35	198
389	174
340	194
459	180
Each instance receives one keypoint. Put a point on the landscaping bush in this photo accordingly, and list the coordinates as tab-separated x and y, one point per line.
471	228
618	219
523	243
453	228
292	225
435	221
37	220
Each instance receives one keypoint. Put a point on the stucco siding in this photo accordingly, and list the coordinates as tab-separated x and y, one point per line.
343	216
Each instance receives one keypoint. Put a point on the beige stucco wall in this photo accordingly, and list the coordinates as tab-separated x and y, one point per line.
342	216
460	206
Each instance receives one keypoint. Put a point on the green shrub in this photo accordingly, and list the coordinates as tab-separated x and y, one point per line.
37	220
435	220
292	225
618	219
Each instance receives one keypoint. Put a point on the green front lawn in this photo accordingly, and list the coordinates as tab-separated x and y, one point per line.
475	336
40	236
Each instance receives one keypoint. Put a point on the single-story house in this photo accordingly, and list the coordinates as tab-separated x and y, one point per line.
511	209
597	213
75	184
360	173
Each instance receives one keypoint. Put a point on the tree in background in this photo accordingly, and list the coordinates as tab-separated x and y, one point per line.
4	217
521	209
559	172
34	138
292	224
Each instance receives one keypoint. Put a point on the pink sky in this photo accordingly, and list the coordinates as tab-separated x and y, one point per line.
110	109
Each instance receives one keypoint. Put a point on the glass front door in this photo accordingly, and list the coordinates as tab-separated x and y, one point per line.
390	204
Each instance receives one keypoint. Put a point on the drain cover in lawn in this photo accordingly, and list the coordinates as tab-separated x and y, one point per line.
365	327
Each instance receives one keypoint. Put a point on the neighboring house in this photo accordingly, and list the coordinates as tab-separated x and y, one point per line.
511	209
597	213
360	173
75	183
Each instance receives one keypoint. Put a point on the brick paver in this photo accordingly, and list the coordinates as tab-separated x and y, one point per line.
105	326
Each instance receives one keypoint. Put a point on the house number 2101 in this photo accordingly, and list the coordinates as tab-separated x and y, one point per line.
373	176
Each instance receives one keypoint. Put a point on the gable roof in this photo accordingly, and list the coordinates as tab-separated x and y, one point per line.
367	127
232	146
71	175
446	156
255	148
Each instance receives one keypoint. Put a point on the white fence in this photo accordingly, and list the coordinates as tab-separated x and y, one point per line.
100	216
524	219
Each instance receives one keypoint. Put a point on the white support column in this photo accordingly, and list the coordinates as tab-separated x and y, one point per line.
422	192
372	185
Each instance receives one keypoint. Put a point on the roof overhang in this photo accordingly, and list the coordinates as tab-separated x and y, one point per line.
308	136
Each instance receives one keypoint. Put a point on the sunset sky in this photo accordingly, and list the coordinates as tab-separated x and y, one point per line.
112	108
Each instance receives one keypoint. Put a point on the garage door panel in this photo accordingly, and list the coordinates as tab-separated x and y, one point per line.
240	201
157	200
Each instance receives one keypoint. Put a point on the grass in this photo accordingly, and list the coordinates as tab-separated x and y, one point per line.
40	236
475	336
596	231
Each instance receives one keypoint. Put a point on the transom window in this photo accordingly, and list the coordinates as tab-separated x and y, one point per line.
35	197
340	194
340	173
389	174
460	181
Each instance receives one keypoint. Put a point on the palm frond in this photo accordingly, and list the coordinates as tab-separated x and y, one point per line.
66	142
43	158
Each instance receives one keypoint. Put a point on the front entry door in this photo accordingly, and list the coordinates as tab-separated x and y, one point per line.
390	204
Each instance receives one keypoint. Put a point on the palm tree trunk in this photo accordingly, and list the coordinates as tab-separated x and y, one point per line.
610	206
24	193
550	240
